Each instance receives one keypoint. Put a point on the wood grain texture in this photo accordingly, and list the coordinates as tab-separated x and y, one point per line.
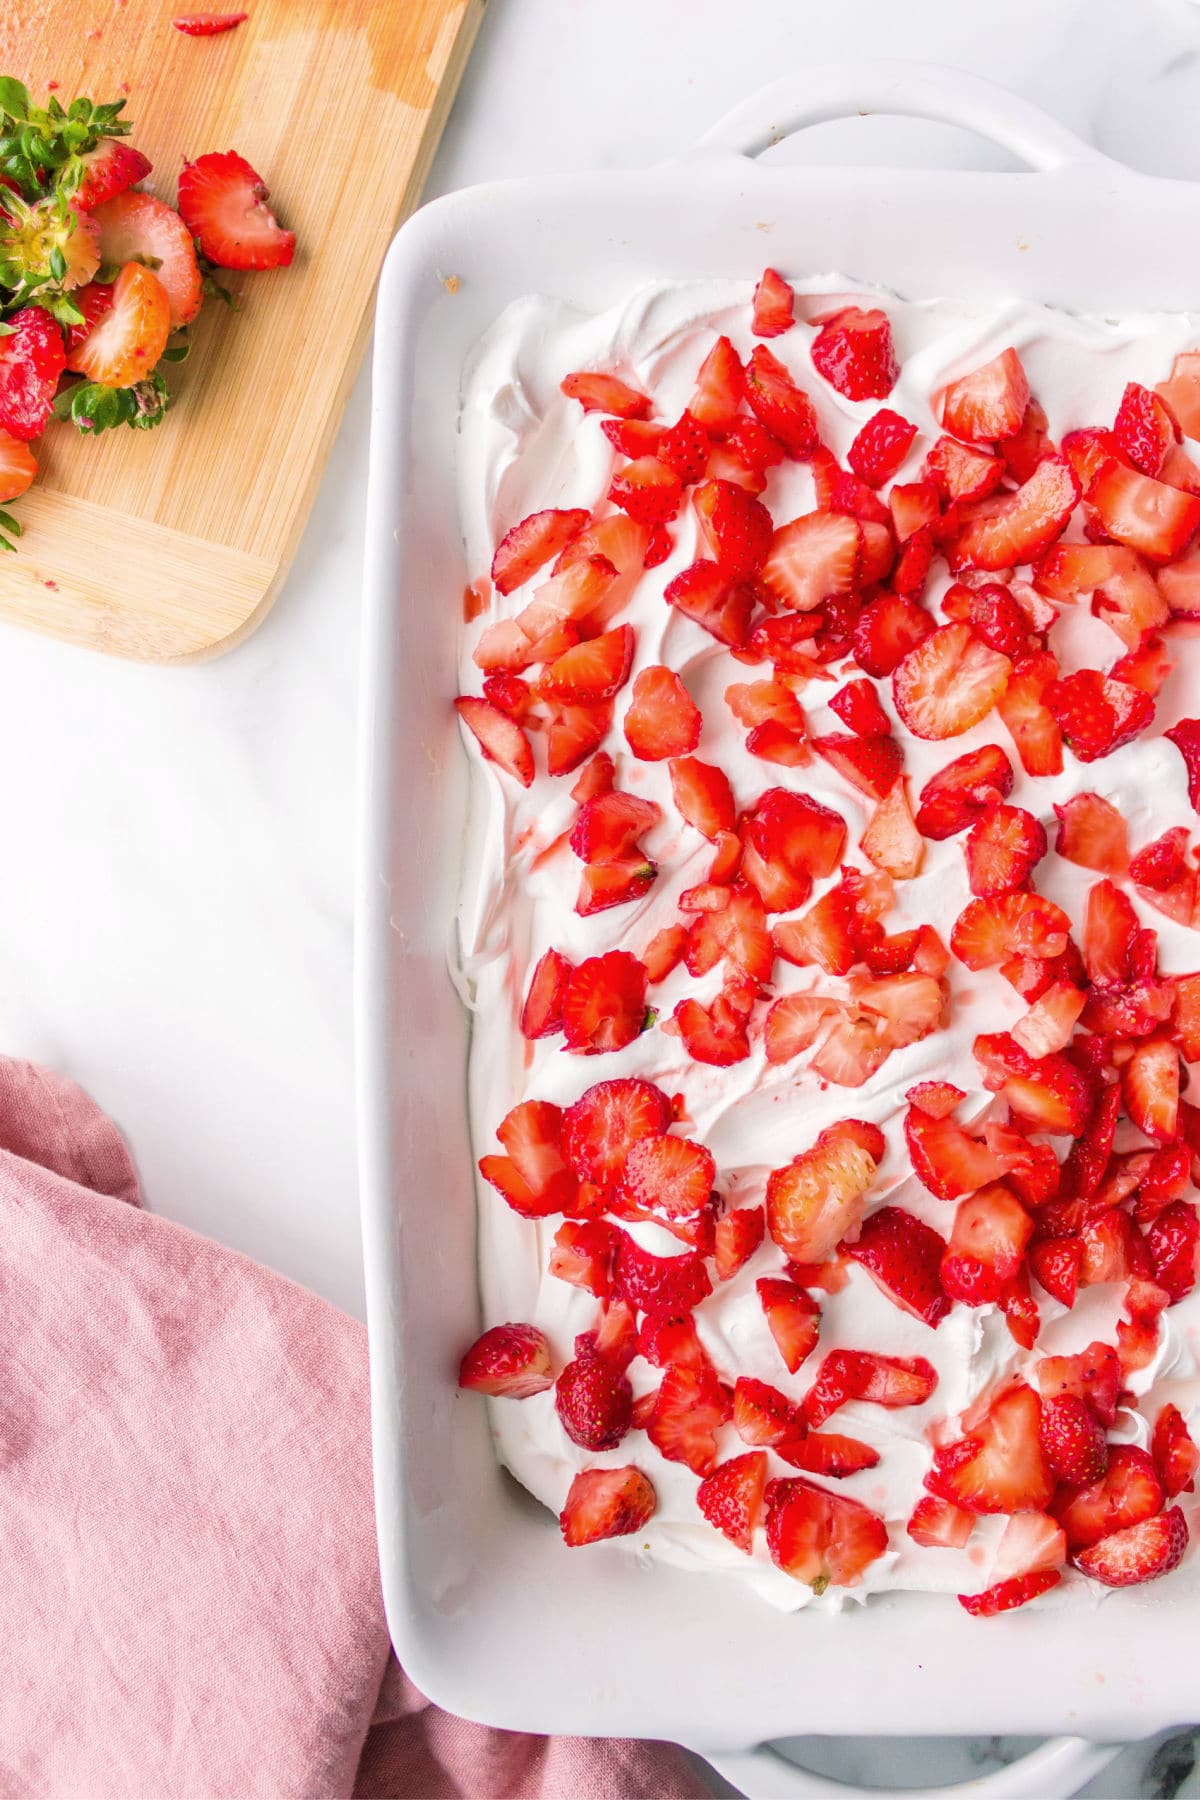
171	544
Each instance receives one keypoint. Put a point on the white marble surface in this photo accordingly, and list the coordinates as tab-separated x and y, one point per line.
175	926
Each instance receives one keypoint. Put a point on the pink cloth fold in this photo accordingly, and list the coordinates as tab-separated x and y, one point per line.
189	1593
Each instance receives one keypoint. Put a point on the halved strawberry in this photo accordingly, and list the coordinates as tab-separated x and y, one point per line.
702	796
731	1498
17	467
1034	728
541	1015
990	402
903	1256
662	719
109	169
780	406
606	1503
737	528
853	351
812	558
1175	1455
573	732
793	1316
1093	834
593	1400
821	1194
525	547
947	1159
948	683
598	392
881	446
719	388
713	1034
1128	1493
1073	1441
583	1253
128	340
509	1360
1138	1553
820	1538
762	1415
987	1244
136	227
608	826
668	1178
1017	528
961	473
31	361
737	1236
703	592
1093	1375
1002	850
501	741
774	304
888	1381
1158	520
1150	1084
690	1408
604	1006
960	792
1185	735
999	1466
857	705
1005	1596
1019	924
939	1524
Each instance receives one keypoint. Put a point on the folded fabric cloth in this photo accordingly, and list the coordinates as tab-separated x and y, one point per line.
189	1592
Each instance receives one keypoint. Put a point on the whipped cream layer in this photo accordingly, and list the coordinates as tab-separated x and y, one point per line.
524	446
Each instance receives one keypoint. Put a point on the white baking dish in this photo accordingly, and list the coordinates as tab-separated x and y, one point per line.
491	1615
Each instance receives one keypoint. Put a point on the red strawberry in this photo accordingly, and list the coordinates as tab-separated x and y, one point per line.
997	619
947	1159
634	437
999	1466
93	301
17	467
1145	429
793	1316
501	741
811	559
731	1498
1002	850
886	631
647	490
872	765
541	1015
714	1034
690	1408
857	706
583	1255
914	508
948	683
1050	1021
604	1006
510	693
940	1524
840	492
1185	735
223	203
1138	1553
573	732
1173	1237
136	227
609	825
1158	520
597	392
1109	931
1097	715
719	388
702	795
889	1381
820	1538
668	1178
109	169
1175	1455
1023	707
1150	1085
853	351
602	1127
1020	924
821	1194
659	1284
880	447
593	1400
762	1415
891	840
614	882
736	933
903	1255
1025	449
990	402
1073	1441
1092	833
662	720
31	361
685	448
527	546
827	934
704	593
738	527
510	1360
606	1503
1015	529
589	671
937	1098
1006	1595
987	1243
774	304
959	794
736	1238
780	406
960	473
1128	1493
1045	1093
789	840
1093	1375
208	24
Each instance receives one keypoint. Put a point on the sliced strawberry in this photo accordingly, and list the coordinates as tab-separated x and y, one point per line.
647	490
737	934
1047	1093
1034	728
960	793
891	840
207	24
1093	1375
667	1285
888	1381
662	719
1025	449
108	170
886	631
541	1015
604	1007
511	694
857	705
1005	1596
704	593
829	1453
1020	924
881	446
939	1524
597	392
668	1178
31	361
1175	1455
690	1408
714	1034
774	305
1173	1239
17	467
1108	934
819	1538
946	1159
872	765
606	1503
136	227
1150	1084
1128	1493
853	351
1002	850
1093	834
839	491
509	1360
1148	515
990	402
685	447
594	1401
634	437
1145	429
1017	528
590	671
812	558
731	1498
762	1415
573	732
986	1247
1048	1025
1073	1441
792	840
793	1316
794	1023
821	1194
583	1253
501	741
996	618
617	882
780	406
719	389
827	934
960	473
128	340
524	548
903	1256
1181	391
948	683
999	1466
737	526
738	1235
1138	1553
223	203
609	825
703	796
1185	735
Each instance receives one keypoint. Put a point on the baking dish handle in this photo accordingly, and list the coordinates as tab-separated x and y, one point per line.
1055	1770
916	90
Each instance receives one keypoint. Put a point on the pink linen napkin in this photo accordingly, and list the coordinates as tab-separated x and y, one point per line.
189	1593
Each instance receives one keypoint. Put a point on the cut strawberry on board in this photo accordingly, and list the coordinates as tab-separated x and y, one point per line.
208	24
108	170
606	1503
136	227
223	203
853	351
17	467
512	1361
31	361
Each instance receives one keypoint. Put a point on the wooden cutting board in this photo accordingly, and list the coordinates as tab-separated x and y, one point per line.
171	544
